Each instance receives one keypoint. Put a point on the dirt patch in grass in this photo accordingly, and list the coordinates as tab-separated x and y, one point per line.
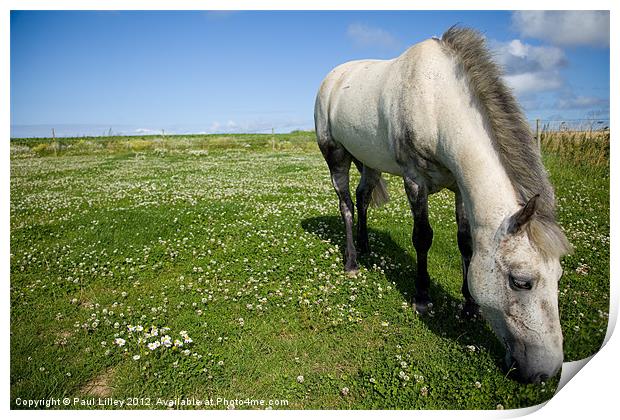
62	338
100	385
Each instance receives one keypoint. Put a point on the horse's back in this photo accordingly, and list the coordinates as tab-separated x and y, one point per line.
348	109
366	105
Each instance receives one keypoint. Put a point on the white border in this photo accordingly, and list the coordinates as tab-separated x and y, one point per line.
591	393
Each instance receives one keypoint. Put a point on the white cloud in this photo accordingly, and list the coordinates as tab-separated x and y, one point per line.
368	36
565	28
259	124
146	131
581	102
516	57
529	68
533	82
534	72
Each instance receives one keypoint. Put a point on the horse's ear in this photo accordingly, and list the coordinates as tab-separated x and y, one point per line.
523	216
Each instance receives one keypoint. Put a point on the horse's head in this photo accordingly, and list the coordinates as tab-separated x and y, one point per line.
515	283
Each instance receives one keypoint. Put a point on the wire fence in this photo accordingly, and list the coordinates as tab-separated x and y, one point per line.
585	128
583	124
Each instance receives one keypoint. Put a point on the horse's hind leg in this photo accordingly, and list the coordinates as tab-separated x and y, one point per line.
363	195
422	239
339	162
465	246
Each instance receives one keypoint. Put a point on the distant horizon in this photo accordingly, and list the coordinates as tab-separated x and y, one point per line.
103	130
44	131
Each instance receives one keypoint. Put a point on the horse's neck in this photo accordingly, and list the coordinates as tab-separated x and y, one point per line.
486	189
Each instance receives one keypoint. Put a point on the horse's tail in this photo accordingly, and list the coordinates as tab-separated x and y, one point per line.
380	194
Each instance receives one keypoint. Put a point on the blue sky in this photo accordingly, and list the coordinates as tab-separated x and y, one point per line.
140	72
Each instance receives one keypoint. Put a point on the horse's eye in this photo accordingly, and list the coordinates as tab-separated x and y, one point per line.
519	283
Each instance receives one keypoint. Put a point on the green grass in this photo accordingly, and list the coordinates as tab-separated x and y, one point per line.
239	243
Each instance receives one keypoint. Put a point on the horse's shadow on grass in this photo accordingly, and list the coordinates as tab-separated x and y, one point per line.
446	321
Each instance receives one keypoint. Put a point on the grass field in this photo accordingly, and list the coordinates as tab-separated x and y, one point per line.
227	251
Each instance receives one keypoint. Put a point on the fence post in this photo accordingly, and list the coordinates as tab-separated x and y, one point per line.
54	142
538	133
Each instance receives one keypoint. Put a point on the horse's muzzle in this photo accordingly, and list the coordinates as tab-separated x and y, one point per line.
529	375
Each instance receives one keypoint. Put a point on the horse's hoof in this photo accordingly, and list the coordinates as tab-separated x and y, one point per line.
352	273
423	306
470	310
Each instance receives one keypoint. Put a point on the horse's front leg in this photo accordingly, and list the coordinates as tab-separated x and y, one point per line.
463	236
422	239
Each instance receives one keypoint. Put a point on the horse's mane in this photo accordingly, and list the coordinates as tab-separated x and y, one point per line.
512	136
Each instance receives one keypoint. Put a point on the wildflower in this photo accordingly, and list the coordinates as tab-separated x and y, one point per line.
178	343
478	385
372	380
152	346
471	348
583	269
300	379
344	391
166	340
119	342
136	357
424	391
499	407
385	324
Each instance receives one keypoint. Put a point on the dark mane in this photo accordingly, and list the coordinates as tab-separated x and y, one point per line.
511	134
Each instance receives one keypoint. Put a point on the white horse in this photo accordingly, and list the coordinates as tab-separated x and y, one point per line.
440	116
